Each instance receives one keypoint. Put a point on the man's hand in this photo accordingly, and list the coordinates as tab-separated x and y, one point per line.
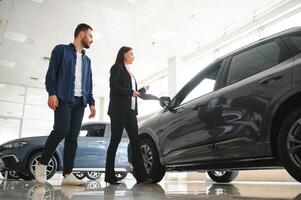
136	94
92	112
53	102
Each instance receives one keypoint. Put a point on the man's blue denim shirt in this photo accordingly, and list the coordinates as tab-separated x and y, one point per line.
60	76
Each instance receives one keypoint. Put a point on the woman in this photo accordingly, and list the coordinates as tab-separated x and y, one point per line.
122	112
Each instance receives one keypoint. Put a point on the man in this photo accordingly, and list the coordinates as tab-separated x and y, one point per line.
69	85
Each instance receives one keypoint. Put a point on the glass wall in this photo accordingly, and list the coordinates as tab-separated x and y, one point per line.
158	88
24	112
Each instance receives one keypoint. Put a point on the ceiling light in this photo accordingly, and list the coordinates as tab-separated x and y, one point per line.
38	1
34	78
6	63
15	36
131	1
46	58
164	35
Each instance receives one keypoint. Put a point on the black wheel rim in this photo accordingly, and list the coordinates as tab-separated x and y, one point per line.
294	143
147	157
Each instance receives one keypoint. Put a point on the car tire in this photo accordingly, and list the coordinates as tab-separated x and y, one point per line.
93	175
12	174
79	175
289	144
220	176
151	159
120	175
51	167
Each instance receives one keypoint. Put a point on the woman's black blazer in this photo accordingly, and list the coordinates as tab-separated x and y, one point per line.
120	91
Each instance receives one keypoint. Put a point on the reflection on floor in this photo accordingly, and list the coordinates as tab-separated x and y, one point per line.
175	190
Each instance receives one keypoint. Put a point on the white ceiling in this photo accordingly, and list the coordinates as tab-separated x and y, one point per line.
156	29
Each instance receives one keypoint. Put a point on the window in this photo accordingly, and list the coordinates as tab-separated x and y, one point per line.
295	41
201	84
255	60
204	87
94	130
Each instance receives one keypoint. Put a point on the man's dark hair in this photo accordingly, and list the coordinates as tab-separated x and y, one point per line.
81	27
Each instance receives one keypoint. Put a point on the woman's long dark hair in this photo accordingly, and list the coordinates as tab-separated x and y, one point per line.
120	56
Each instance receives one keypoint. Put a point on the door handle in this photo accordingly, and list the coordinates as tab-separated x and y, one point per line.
100	142
270	80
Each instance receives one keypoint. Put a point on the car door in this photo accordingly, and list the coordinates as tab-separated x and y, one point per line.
184	126
92	146
255	79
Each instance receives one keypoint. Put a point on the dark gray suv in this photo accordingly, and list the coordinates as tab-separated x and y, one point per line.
243	111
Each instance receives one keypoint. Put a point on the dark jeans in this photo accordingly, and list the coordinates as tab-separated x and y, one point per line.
67	123
129	122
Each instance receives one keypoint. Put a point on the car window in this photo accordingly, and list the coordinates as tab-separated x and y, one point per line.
94	130
255	60
295	41
204	87
201	84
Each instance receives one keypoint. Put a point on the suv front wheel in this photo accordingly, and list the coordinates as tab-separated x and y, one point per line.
151	160
289	144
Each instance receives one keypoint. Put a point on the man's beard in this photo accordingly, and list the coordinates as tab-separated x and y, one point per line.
85	44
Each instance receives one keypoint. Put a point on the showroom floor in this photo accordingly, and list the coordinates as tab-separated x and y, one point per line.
174	190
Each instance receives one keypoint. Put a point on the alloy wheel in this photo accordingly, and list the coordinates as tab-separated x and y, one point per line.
294	143
147	157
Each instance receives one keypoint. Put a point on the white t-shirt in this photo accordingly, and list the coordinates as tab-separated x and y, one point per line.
78	76
134	99
133	102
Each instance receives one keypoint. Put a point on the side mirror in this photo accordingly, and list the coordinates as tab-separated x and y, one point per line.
165	102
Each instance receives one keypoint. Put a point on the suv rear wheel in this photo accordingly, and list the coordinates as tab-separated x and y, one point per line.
151	159
289	144
220	176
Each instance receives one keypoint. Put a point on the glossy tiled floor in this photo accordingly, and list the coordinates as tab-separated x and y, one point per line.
173	190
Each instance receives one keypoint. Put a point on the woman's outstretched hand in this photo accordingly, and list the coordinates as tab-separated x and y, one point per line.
136	94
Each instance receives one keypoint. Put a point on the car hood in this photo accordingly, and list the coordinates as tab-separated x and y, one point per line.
27	139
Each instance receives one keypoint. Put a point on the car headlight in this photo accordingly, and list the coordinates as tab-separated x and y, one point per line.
15	145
